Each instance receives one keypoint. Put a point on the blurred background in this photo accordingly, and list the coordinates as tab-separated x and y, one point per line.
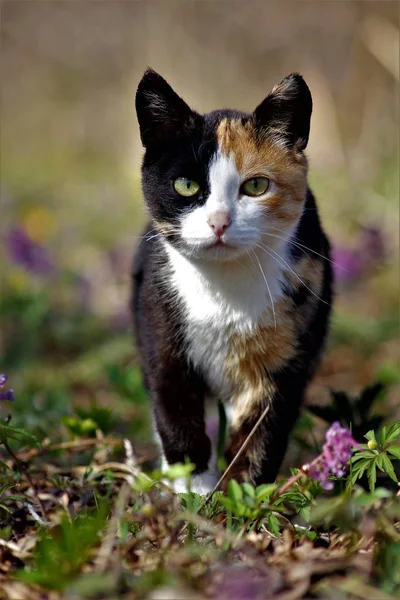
71	204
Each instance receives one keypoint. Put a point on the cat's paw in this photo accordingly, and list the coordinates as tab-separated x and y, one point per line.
201	484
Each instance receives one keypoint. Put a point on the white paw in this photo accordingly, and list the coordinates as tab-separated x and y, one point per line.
201	484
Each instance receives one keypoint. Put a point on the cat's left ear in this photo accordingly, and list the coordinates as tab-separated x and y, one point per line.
286	112
161	113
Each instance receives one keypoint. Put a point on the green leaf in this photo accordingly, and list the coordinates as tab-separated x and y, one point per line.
227	503
370	435
14	497
143	483
365	499
249	490
388	467
191	501
388	569
394	450
178	470
6	487
235	492
371	474
379	461
382	436
265	491
361	465
393	433
7	432
273	524
61	552
326	509
364	454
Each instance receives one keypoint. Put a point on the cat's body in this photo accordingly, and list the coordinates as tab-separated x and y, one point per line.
232	281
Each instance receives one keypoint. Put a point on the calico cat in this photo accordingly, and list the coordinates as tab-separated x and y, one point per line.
232	279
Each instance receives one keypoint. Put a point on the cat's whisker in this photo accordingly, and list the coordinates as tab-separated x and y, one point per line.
301	246
143	237
294	244
281	260
266	283
156	235
161	234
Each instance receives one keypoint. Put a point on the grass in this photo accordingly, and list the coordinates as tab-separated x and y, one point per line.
84	512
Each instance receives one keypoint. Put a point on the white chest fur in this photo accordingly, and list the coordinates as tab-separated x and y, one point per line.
221	298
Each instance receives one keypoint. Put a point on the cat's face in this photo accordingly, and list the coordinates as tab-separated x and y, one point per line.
215	184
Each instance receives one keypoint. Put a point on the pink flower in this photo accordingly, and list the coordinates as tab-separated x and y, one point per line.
335	455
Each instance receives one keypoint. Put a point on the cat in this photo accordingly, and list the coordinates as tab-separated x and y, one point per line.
232	280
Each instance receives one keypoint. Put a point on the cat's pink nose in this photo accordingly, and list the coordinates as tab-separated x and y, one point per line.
219	222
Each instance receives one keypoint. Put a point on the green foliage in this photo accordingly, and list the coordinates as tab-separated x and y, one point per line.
179	471
365	333
378	454
347	510
18	435
35	324
194	503
63	550
128	384
103	418
246	502
251	507
6	498
77	427
388	568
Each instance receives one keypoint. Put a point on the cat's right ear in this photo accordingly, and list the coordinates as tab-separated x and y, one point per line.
161	113
286	112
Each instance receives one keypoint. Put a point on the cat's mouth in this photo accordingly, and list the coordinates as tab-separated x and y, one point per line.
220	243
217	249
220	250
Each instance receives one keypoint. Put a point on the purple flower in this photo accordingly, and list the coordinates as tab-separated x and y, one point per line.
372	244
28	254
9	394
335	455
348	264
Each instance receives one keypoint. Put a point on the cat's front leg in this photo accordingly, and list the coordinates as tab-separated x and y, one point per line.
262	457
178	399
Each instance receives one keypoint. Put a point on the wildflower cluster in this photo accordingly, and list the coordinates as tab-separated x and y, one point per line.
9	394
27	253
335	455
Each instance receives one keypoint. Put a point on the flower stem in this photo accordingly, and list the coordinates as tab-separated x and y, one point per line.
304	470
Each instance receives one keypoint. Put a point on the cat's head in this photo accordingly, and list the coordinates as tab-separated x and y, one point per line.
216	183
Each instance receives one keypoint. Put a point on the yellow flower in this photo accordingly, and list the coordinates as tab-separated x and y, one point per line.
40	224
372	445
18	280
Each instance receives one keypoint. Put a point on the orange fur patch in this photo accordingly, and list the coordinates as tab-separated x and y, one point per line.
251	358
286	167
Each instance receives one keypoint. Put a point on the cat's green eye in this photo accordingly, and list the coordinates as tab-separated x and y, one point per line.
256	186
186	187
